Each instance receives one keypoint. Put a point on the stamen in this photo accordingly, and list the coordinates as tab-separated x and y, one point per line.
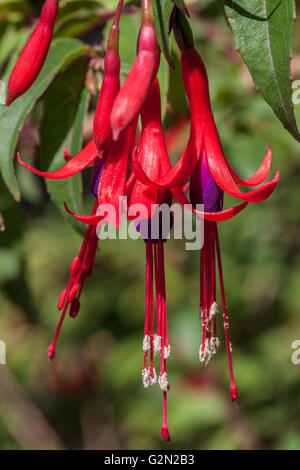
214	344
205	353
213	311
146	343
163	382
146	377
167	351
153	377
157	344
149	318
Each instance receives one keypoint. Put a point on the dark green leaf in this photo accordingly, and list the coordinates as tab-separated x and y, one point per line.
12	118
263	32
162	11
70	190
182	6
177	97
60	105
164	81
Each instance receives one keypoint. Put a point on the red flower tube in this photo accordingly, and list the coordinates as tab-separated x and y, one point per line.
34	54
134	90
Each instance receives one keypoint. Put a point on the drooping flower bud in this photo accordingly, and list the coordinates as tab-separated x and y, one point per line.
110	86
34	54
133	93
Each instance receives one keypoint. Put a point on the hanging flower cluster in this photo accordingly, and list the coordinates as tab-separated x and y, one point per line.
136	165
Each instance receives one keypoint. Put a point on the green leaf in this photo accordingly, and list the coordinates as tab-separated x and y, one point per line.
71	6
182	6
177	96
162	11
60	105
10	42
263	33
76	131
164	81
70	190
12	6
12	117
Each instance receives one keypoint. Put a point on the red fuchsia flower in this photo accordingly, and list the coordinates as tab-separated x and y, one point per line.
81	266
134	90
210	175
142	201
34	54
108	185
151	157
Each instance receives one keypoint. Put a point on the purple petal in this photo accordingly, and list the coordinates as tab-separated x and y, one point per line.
203	189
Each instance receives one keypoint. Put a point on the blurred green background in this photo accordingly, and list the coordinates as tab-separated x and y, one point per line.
92	396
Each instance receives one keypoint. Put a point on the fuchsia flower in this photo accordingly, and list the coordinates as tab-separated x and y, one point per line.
152	156
82	265
34	54
210	175
203	168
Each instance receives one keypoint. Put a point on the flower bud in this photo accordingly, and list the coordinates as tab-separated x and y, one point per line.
34	54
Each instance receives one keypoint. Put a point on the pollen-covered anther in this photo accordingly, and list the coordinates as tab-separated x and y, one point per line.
214	344
152	377
213	311
163	382
201	312
205	353
146	343
167	351
157	344
146	377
